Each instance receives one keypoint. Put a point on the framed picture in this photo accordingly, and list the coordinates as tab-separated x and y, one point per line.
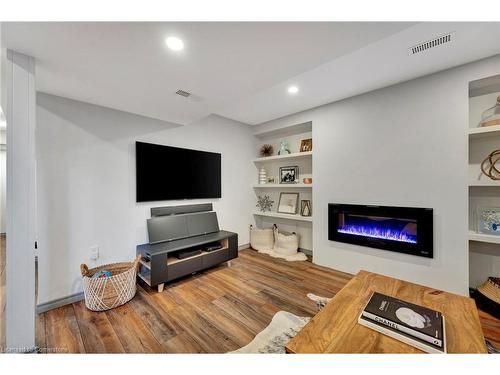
289	175
306	145
288	203
305	208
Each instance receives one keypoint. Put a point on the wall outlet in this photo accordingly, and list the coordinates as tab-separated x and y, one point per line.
94	252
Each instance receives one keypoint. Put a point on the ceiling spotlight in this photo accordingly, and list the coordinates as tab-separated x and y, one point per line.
293	90
174	43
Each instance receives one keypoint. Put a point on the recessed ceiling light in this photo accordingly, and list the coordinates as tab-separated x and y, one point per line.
293	90
174	43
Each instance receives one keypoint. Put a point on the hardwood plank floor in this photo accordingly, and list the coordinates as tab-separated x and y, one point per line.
491	328
97	334
2	292
215	311
62	332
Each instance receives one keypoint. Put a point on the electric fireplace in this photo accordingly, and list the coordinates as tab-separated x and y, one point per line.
403	229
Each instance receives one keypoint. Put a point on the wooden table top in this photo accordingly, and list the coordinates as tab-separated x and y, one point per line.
335	329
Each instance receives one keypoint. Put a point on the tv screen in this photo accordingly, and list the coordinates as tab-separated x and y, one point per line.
168	173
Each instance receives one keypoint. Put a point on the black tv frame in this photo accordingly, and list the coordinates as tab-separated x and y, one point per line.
142	199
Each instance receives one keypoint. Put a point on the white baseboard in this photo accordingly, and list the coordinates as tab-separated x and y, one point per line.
307	252
43	307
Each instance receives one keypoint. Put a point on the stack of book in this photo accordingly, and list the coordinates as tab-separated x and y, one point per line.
415	325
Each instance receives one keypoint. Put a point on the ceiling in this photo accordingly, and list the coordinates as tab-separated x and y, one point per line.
237	70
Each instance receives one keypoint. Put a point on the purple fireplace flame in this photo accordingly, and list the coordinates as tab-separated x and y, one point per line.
378	232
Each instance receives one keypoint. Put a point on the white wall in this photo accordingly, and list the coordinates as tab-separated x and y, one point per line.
3	177
3	136
405	145
2	70
86	183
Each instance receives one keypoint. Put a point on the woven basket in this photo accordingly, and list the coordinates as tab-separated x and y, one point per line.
491	289
109	292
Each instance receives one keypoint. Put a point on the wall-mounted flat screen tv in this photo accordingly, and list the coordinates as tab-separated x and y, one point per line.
168	173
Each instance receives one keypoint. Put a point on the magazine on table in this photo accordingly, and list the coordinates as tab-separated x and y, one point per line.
415	325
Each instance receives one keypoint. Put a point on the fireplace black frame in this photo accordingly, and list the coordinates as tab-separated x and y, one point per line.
423	217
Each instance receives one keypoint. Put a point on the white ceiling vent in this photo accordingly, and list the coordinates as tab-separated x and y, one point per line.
431	43
183	93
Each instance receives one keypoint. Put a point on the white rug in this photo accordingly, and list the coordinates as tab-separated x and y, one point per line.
291	258
320	301
283	327
273	339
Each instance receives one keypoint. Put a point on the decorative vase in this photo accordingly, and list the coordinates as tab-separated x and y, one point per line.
284	150
491	116
262	176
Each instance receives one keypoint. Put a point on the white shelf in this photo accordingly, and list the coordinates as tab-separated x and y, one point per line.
287	131
481	237
146	263
145	278
284	216
487	131
282	186
485	183
296	155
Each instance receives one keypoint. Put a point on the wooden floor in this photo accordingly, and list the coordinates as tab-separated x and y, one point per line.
491	328
2	292
216	311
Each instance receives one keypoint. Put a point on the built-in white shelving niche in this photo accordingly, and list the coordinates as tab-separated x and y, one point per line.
486	132
287	157
480	237
484	249
283	186
278	215
302	225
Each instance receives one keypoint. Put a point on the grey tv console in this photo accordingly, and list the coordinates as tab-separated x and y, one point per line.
181	232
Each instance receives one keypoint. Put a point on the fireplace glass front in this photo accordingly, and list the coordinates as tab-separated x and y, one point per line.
401	229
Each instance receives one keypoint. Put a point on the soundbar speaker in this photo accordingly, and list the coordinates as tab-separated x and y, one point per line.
177	210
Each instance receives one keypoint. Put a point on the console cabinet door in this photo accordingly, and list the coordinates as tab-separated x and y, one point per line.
212	259
184	267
